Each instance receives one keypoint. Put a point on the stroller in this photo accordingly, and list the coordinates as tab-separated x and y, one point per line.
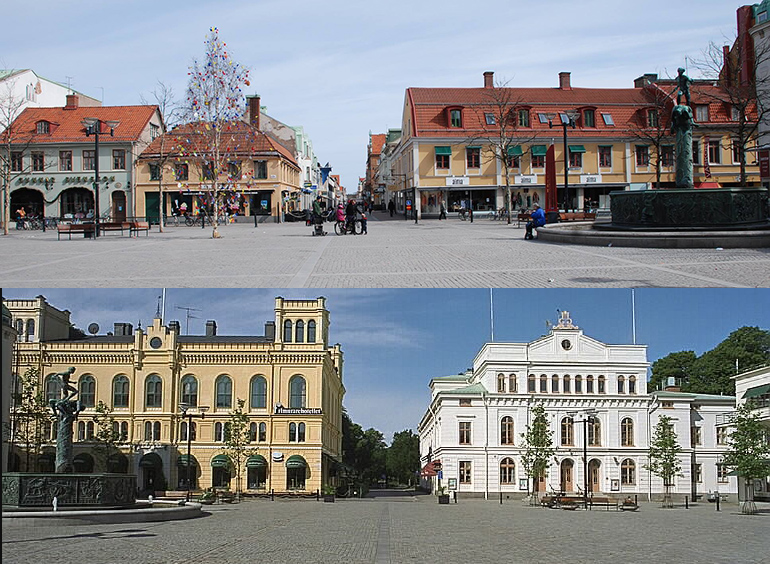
318	225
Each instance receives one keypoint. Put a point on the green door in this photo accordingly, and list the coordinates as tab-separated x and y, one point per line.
151	203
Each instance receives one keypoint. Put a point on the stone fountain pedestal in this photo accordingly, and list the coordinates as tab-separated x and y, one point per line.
37	490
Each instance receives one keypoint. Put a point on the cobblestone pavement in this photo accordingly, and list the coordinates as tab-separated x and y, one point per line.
405	530
395	253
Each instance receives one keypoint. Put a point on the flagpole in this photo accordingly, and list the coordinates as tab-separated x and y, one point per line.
633	316
491	315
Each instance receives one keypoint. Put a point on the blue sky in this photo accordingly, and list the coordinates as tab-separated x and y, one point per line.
340	68
395	341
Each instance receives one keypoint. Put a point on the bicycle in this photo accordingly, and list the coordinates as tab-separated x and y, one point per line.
191	221
29	223
342	228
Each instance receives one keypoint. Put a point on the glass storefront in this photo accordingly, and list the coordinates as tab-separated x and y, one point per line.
478	200
430	201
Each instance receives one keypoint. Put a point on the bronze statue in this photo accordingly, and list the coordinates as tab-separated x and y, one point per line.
683	86
66	410
682	124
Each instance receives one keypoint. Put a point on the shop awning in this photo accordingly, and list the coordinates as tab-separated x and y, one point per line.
296	461
515	151
757	391
185	460
539	150
150	460
577	149
443	150
428	470
220	461
256	461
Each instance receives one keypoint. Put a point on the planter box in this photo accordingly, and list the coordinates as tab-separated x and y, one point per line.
443	499
328	498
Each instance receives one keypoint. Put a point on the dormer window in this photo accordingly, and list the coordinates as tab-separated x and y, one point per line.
701	113
589	118
43	127
608	119
652	118
455	117
523	116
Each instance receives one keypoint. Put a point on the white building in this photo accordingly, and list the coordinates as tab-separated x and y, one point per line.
474	423
754	386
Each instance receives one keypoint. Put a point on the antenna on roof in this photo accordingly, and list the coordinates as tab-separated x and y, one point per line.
69	83
189	316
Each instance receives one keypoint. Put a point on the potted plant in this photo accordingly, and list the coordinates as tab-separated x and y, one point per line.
329	492
208	497
443	496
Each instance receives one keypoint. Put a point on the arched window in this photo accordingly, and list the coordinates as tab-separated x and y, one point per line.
297	391
184	428
566	384
124	431
262	432
531	383
578	384
507	471
116	428
253	432
30	329
567	432
148	430
224	392
628	472
90	431
219	435
311	331
153	391
621	385
501	383
120	387
627	432
287	331
81	430
555	384
299	332
87	391
594	431
301	433
258	392
190	390
590	384
156	431
543	384
52	388
20	329
506	431
600	383
292	432
512	387
632	384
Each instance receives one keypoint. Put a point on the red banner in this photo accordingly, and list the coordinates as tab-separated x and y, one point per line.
764	164
551	203
706	167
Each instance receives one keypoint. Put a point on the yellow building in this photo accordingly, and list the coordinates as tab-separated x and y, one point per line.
290	379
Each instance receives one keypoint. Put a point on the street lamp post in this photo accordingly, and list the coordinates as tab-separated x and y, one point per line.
94	127
588	416
185	408
566	120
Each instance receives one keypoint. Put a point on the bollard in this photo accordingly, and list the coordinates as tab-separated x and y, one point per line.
717	501
686	502
501	498
455	494
636	501
255	220
272	495
318	495
55	503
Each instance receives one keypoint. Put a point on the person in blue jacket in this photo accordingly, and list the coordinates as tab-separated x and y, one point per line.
537	219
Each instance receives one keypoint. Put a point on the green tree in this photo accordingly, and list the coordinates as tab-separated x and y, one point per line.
237	439
538	446
749	452
664	456
107	436
677	364
31	418
403	457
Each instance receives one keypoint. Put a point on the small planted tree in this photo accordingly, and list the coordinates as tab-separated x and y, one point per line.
107	435
538	446
31	418
749	453
237	443
664	456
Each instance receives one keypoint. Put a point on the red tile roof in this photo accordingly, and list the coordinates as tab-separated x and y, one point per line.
376	143
66	124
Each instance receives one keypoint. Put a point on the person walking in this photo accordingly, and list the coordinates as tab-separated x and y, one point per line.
391	207
442	211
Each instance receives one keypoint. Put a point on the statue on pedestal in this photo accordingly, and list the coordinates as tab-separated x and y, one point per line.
681	124
66	410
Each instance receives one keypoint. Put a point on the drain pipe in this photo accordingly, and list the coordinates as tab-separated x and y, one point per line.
486	444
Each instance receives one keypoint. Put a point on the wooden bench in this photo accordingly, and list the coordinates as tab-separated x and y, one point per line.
137	226
121	226
577	216
522	216
607	502
87	229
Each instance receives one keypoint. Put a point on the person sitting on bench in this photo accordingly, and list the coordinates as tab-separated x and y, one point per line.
536	219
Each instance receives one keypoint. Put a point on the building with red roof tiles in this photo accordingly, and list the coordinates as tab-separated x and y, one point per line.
451	147
258	175
52	159
371	180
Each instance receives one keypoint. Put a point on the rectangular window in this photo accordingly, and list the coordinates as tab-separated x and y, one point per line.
442	156
642	155
721	473
575	159
465	402
465	472
667	155
538	161
118	159
465	432
16	161
605	156
154	171
207	171
722	435
735	114
89	159
154	130
38	161
652	118
695	152
43	127
715	151
514	161
736	151
181	171
234	170
608	119
589	118
697	473
701	113
65	160
473	157
695	435
455	118
260	170
523	118
490	119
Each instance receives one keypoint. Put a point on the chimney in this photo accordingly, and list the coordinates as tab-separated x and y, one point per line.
489	79
72	102
118	329
270	330
174	326
123	329
564	83
211	328
253	106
